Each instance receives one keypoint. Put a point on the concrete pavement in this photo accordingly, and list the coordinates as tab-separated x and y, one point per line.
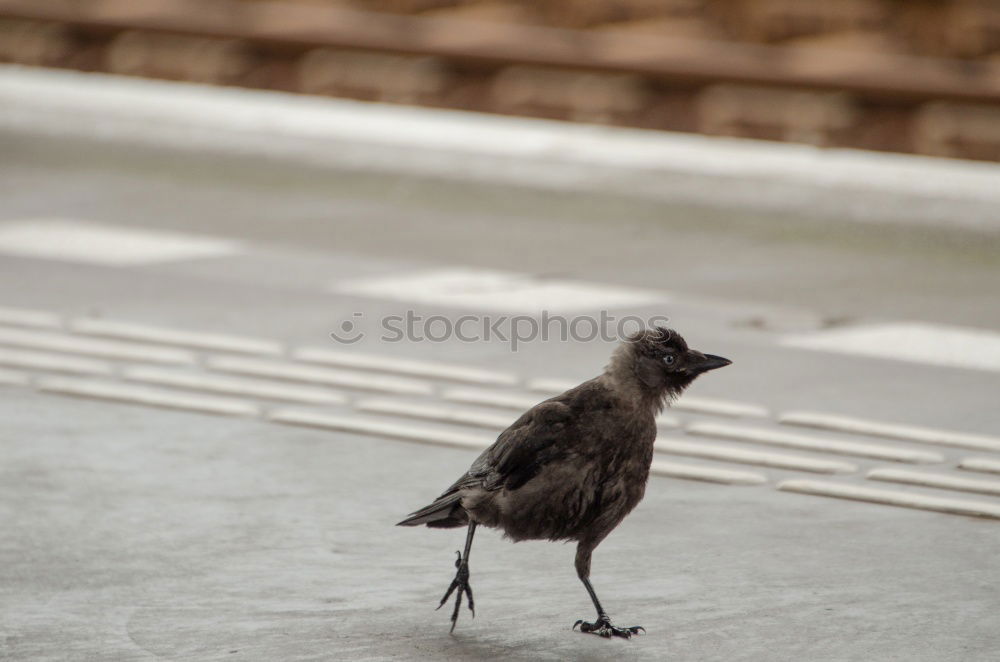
131	532
136	534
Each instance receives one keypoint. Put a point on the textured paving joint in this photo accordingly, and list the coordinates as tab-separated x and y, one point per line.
418	402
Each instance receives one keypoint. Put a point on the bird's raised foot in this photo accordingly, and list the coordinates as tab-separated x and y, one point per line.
461	585
602	627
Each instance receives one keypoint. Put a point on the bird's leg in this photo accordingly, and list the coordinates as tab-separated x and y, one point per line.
602	626
461	581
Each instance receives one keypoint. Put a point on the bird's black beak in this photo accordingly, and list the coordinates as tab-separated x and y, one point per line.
711	362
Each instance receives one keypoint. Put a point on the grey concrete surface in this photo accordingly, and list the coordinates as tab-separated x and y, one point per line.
134	534
131	533
737	281
833	271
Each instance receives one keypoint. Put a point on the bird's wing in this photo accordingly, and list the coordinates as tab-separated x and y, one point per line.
542	434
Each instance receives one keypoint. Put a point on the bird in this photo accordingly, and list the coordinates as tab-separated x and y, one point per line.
573	466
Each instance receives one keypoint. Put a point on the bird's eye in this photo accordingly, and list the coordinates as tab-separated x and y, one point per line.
669	359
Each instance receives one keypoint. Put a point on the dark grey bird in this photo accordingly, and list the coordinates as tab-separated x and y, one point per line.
572	467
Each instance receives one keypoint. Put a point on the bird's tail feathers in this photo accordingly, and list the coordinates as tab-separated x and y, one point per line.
445	512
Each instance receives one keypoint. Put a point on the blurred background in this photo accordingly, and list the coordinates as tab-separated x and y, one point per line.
919	76
200	199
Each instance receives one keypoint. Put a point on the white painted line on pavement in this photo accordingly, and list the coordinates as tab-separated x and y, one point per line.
439	437
980	464
667	422
141	395
108	349
550	386
705	474
802	442
718	407
24	317
497	291
377	428
930	344
892	498
318	375
81	241
945	482
433	412
693	404
470	396
19	358
155	334
257	388
521	402
411	367
891	430
741	456
12	378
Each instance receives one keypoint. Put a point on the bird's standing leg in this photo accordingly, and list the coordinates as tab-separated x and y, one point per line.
602	626
461	581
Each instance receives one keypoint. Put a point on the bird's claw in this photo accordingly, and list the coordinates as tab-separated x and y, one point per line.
461	582
602	627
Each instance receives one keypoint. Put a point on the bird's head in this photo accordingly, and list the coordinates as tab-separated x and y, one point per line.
661	363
